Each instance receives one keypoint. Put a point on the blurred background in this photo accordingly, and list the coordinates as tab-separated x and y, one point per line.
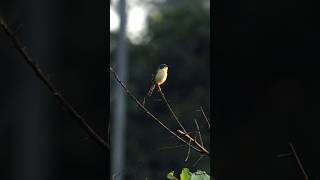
172	32
39	140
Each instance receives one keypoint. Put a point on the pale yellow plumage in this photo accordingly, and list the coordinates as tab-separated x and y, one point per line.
161	76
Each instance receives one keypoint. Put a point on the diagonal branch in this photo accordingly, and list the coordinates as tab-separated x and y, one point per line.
152	116
205	117
200	137
299	161
40	74
172	112
184	132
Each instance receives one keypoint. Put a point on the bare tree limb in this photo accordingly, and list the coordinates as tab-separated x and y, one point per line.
198	149
41	75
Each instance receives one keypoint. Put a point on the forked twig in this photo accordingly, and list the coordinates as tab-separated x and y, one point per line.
21	49
199	149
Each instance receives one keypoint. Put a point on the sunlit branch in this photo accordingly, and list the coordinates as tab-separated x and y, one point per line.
197	147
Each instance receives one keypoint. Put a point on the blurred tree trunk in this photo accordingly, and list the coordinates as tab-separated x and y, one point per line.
119	123
32	147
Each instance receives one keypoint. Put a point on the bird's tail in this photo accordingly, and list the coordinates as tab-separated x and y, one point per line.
148	94
151	90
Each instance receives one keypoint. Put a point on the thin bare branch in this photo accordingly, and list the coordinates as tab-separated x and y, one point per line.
172	112
41	75
299	162
205	117
188	154
199	149
200	137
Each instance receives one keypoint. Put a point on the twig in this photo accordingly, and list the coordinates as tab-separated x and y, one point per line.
172	112
299	162
199	132
21	49
188	152
151	115
205	117
171	147
196	162
284	155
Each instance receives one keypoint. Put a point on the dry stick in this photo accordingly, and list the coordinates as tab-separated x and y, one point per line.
152	116
205	117
21	49
172	112
298	161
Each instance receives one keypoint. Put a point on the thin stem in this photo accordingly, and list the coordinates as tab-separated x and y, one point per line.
299	162
172	112
39	73
151	115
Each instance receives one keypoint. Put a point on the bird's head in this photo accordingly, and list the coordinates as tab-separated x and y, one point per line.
163	66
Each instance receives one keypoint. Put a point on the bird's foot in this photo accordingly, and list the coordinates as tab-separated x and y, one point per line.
158	87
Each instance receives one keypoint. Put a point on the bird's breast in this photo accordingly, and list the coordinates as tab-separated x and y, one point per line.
161	76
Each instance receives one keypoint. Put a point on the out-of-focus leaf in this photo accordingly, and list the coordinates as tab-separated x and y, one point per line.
171	176
185	174
200	175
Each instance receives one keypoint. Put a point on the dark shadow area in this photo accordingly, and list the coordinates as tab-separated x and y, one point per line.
266	89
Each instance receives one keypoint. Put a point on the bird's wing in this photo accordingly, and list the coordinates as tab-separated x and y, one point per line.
153	76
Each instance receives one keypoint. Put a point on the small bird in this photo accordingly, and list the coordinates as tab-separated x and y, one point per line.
159	78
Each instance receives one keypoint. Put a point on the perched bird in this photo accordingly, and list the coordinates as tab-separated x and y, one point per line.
159	78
